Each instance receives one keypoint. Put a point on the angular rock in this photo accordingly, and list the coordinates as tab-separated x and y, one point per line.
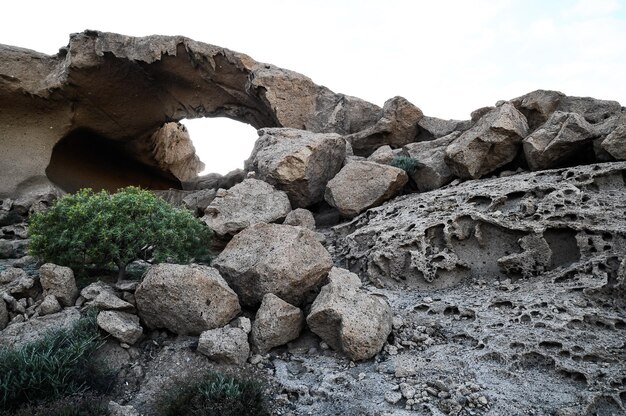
107	300
22	333
59	281
91	291
397	127
384	155
276	323
431	128
349	320
4	314
491	143
185	299
300	217
225	345
198	201
433	172
615	142
15	281
557	140
123	326
49	305
269	258
298	162
250	202
362	185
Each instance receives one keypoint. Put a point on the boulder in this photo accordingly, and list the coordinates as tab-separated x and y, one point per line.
431	128
108	300
270	258
557	140
49	305
298	162
123	326
15	281
348	319
615	142
276	323
397	127
185	299
4	314
491	143
250	202
300	217
384	155
362	185
59	281
432	171
199	200
225	345
22	333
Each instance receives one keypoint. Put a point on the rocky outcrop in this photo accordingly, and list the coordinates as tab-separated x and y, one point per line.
185	299
362	185
349	320
276	323
269	258
250	202
59	281
297	162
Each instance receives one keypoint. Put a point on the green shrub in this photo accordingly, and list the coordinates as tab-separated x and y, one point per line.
408	164
57	365
85	404
105	229
218	395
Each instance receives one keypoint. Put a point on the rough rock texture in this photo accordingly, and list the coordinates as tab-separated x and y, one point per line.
225	345
4	314
615	142
59	281
362	185
300	217
49	305
24	332
397	127
15	281
185	299
349	320
276	323
557	140
298	162
491	143
140	84
269	258
432	171
123	326
250	202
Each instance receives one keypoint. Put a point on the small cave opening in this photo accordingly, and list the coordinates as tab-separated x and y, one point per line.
85	159
221	143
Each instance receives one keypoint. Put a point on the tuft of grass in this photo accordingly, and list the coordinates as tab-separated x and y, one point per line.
408	164
81	405
218	395
56	366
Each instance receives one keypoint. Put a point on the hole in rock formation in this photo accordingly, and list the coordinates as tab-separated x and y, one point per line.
564	247
222	144
84	159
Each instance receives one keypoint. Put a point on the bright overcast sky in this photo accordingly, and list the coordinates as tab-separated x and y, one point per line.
446	57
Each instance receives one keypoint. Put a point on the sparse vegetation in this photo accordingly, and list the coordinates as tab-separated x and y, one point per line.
408	164
218	395
103	230
56	366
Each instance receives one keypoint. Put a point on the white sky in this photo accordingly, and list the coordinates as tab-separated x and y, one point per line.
447	57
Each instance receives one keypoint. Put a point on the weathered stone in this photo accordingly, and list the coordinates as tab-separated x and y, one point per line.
4	314
491	143
557	140
615	142
384	155
15	281
185	299
362	185
108	300
198	201
23	333
59	281
123	326
300	217
433	128
432	172
269	258
116	409
225	345
91	291
276	323
250	202
298	162
397	127
49	305
348	319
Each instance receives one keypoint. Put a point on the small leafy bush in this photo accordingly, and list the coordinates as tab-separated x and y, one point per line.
219	395
56	366
408	164
102	229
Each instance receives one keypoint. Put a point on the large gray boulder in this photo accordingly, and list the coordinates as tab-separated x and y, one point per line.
348	319
491	143
185	299
18	334
277	322
59	281
298	162
432	172
362	185
250	202
123	326
557	140
615	142
225	345
270	258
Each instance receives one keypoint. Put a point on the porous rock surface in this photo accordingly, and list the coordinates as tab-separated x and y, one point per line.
59	281
185	299
276	323
225	345
123	326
